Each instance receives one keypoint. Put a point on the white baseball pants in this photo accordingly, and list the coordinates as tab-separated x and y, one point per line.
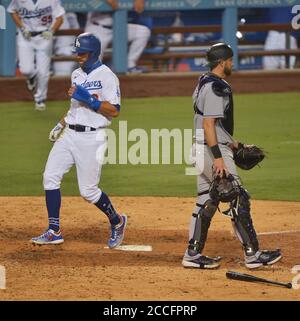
34	58
86	151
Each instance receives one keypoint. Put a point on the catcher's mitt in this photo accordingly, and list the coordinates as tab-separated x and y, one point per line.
247	156
225	189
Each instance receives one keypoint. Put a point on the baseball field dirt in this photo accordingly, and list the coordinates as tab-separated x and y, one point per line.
83	269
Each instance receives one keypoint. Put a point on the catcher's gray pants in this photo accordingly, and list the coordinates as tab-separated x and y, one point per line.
205	209
204	165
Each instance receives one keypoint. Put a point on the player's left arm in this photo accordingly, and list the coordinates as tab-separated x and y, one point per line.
58	14
57	23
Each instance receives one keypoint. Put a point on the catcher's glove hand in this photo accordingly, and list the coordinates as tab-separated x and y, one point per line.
247	156
224	189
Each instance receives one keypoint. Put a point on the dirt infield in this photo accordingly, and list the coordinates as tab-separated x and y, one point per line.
162	84
83	269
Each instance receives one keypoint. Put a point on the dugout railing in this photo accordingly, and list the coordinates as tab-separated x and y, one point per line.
161	60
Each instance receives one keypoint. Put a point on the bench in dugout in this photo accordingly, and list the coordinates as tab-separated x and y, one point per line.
161	57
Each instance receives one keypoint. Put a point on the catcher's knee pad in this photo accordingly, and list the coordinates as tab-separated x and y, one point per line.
243	225
200	225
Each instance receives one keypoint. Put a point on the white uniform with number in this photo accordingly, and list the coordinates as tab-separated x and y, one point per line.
35	54
100	25
84	149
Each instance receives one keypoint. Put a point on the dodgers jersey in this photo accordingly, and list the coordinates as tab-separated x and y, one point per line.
104	85
37	15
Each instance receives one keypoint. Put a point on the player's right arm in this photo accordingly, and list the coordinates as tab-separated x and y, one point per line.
16	18
19	23
213	109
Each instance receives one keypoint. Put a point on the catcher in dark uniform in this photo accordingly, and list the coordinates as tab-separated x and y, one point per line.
216	154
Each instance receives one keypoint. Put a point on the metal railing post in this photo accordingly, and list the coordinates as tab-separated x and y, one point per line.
120	41
8	45
230	27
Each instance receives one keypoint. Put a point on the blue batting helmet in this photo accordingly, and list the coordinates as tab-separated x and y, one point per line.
87	42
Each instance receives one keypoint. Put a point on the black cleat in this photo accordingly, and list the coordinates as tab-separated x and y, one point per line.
201	262
262	258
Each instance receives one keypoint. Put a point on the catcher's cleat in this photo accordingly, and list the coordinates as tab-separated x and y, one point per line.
40	105
261	258
31	83
49	237
201	262
117	233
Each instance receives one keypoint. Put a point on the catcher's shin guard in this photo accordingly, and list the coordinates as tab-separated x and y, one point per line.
200	223
242	224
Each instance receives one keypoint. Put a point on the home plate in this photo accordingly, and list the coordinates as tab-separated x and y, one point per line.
141	248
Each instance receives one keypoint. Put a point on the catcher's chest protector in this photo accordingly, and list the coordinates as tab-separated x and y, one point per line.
222	89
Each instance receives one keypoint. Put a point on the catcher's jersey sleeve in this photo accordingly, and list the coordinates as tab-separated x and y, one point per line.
213	105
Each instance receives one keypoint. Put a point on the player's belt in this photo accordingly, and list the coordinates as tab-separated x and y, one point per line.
81	128
104	26
35	33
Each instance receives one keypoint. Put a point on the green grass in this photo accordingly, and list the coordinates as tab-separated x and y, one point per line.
268	120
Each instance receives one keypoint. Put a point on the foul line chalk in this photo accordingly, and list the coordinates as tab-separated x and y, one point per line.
141	248
279	232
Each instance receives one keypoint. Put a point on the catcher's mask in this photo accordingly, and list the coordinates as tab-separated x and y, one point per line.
224	189
218	52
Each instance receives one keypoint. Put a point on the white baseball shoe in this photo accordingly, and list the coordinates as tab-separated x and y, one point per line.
40	105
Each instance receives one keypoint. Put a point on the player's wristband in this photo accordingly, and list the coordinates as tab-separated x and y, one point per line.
94	103
216	151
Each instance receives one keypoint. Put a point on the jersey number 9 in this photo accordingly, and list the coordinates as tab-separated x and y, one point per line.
46	20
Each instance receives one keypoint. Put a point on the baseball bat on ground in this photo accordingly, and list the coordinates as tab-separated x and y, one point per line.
251	278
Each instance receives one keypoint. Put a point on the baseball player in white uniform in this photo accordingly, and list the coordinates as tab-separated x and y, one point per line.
80	140
101	25
37	21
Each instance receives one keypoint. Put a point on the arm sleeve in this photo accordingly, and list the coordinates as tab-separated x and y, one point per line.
58	9
213	104
13	7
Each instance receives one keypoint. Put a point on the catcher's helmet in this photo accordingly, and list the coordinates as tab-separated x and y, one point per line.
87	42
218	52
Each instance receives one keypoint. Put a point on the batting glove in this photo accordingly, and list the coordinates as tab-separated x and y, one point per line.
81	94
26	33
56	132
47	35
